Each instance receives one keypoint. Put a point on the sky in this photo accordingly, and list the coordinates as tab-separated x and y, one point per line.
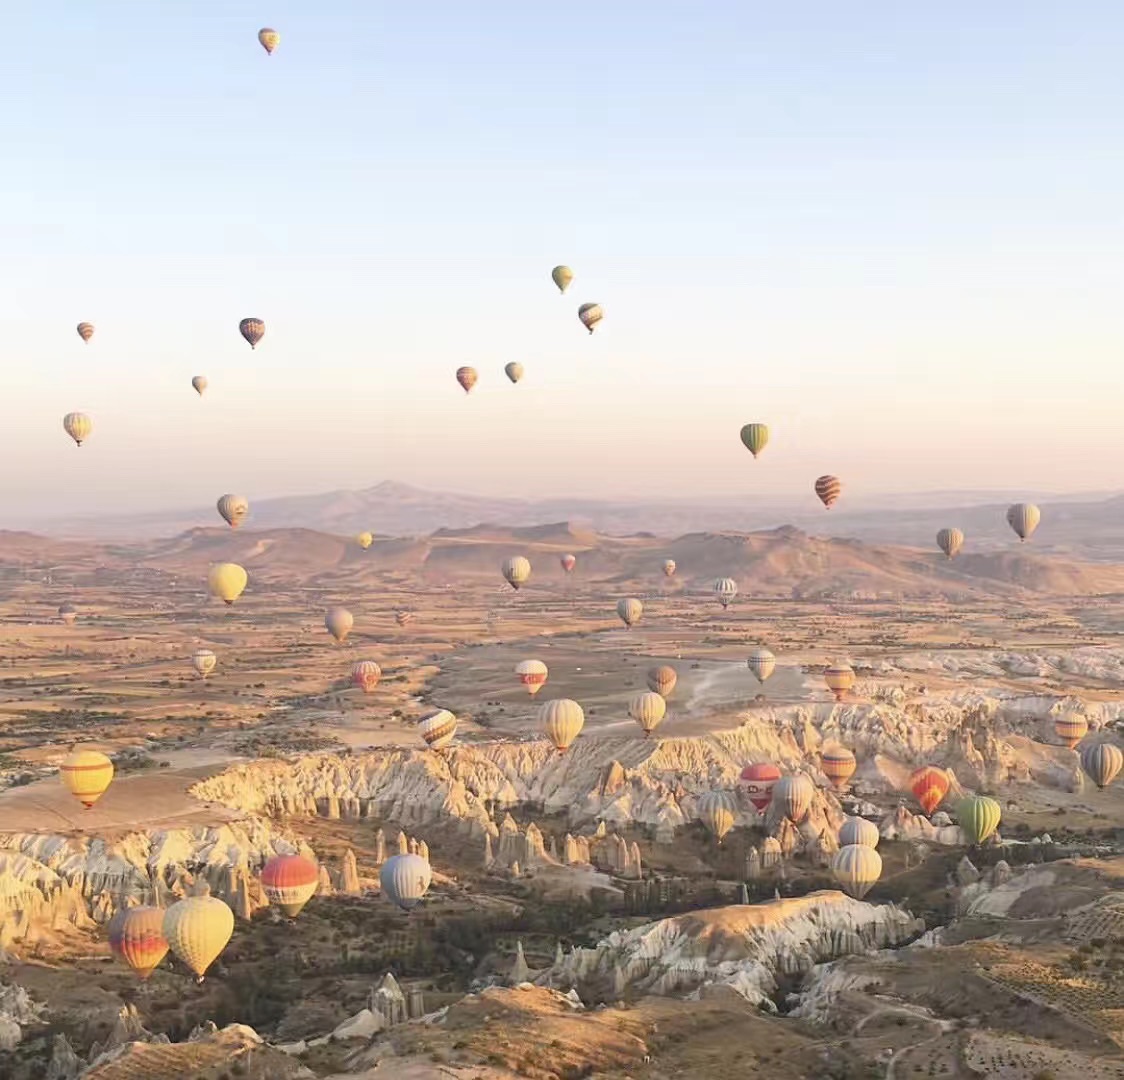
893	234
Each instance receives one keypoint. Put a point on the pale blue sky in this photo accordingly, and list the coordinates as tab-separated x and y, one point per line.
895	235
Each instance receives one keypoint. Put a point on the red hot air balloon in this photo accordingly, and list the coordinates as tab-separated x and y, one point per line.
758	781
290	882
568	563
929	786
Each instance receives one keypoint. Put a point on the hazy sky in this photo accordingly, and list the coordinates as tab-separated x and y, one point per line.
894	234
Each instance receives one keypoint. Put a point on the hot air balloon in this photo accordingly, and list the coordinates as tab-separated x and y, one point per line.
532	674
68	613
78	426
290	881
339	622
568	563
403	617
754	437
86	774
438	728
562	276
979	817
725	589
662	679
828	489
1071	728
562	720
793	795
929	786
717	812
630	611
514	371
198	929
136	935
516	570
838	764
857	869
199	383
858	831
365	540
233	509
366	674
467	377
950	541
762	663
269	39
839	678
590	315
669	568
405	880
759	781
226	580
1024	519
253	330
204	661
1102	762
647	709
86	331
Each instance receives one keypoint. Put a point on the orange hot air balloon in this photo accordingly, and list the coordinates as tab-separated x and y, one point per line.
838	766
290	881
86	774
828	489
136	935
929	786
568	563
467	376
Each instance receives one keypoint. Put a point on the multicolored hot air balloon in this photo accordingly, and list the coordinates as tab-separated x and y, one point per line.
467	377
754	437
78	426
86	331
929	786
86	774
647	709
532	674
762	663
1102	762
568	562
404	880
857	869
759	780
669	568
793	795
253	330
828	489
199	384
838	764
858	831
365	540
233	509
339	622
227	580
438	728
979	817
269	39
562	276
516	571
590	315
204	661
402	617
950	541
839	678
717	812
366	674
662	679
514	371
562	720
630	611
197	930
1071	728
136	935
725	589
68	613
290	881
1024	519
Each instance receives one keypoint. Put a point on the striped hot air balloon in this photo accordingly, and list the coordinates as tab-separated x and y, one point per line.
858	831
754	437
630	611
136	936
717	812
838	766
78	426
590	315
467	377
404	880
979	817
290	881
86	774
562	720
532	674
828	489
253	330
647	709
950	541
204	661
662	679
198	929
438	728
839	678
929	786
402	617
759	780
761	662
1071	728
1102	762
857	869
86	331
516	571
1024	519
725	589
793	796
233	509
366	674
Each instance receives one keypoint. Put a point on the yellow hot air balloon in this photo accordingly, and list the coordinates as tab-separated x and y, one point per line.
662	679
1071	728
253	330
630	611
86	331
197	930
725	589
979	817
1102	762
754	437
717	812
233	509
516	570
226	580
562	276
86	774
562	720
514	371
1024	519
199	383
828	489
136	935
950	541
269	39
467	377
857	869
839	678
669	568
590	315
78	426
762	663
647	709
204	661
532	674
438	728
365	540
838	765
339	622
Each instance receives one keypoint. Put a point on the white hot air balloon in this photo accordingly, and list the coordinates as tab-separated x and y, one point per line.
562	721
857	869
438	728
725	589
857	830
405	879
630	611
647	709
204	661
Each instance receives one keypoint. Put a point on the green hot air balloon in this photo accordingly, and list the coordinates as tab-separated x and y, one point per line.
755	436
979	817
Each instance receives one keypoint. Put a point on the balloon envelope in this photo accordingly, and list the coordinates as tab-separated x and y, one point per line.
514	371
839	678
467	377
562	721
630	611
339	622
68	613
204	661
199	382
793	796
86	331
754	437
1102	762
78	426
405	880
516	571
929	786
647	709
438	728
136	936
226	581
857	830
725	589
1024	519
366	674
269	39
198	929
532	674
857	869
759	780
762	663
1071	728
590	315
662	679
717	812
838	765
86	774
253	330
562	276
233	509
828	489
290	881
365	540
568	563
668	567
979	817
950	541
